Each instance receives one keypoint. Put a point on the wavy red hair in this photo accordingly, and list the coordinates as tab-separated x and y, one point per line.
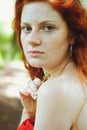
76	18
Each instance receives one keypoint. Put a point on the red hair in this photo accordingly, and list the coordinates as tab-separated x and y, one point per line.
76	18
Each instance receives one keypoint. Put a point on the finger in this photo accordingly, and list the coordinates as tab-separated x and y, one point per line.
25	91
32	94
31	89
31	85
38	82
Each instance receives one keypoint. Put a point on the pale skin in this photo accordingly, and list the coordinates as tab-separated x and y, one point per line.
61	101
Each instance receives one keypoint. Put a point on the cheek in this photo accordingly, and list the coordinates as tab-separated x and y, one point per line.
53	44
57	47
23	42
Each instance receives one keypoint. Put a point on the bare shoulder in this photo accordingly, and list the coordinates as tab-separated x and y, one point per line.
61	103
56	100
82	118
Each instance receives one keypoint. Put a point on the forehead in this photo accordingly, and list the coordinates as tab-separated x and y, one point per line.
40	11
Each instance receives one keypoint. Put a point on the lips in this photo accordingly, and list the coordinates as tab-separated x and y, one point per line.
35	52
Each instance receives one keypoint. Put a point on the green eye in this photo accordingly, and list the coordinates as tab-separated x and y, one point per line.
48	28
27	29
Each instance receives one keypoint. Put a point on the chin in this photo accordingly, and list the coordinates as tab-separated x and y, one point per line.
36	65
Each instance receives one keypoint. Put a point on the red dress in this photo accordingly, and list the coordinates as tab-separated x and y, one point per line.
27	125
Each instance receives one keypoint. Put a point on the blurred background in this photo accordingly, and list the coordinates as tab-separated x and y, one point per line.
12	72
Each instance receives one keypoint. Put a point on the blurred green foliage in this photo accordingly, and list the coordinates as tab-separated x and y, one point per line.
9	48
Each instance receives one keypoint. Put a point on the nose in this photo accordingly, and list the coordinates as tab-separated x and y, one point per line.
34	38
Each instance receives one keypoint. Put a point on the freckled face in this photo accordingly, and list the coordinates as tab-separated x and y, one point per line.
44	35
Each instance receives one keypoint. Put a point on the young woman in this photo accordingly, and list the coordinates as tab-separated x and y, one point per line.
53	38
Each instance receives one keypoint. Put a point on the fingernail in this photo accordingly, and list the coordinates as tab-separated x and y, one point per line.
37	81
34	97
36	93
27	93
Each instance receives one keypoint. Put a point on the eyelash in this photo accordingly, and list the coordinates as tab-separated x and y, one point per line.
47	28
26	29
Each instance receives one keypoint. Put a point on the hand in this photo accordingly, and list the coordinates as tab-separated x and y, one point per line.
29	95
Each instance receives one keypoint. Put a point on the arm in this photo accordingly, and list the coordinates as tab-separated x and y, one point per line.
27	121
29	104
25	116
27	124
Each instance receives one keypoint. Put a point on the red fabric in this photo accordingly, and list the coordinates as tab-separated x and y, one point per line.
27	125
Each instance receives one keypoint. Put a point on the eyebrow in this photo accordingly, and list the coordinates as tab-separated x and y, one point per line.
41	22
24	23
49	21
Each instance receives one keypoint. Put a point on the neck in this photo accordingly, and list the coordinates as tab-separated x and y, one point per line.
57	71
